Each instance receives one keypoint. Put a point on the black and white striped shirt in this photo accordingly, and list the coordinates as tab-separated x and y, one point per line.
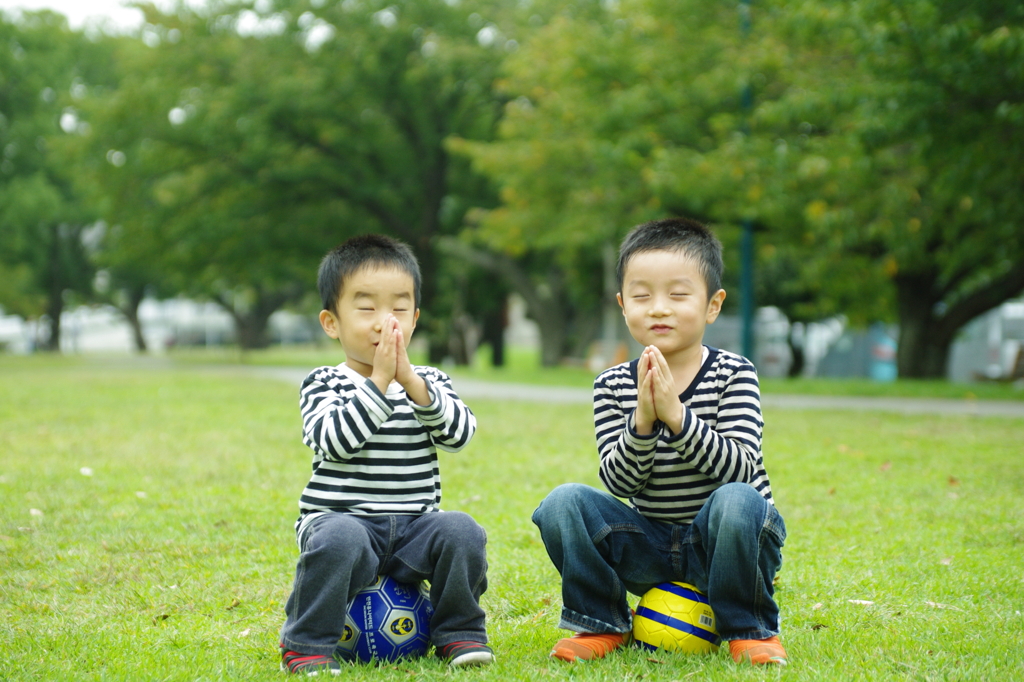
668	477
376	453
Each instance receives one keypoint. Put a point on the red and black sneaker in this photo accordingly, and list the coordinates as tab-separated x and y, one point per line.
308	664
464	654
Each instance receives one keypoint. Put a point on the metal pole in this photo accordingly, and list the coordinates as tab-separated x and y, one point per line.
747	288
747	303
610	311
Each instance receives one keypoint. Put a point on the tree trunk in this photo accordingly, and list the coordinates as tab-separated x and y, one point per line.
131	313
552	333
252	321
54	291
923	342
543	302
928	327
54	309
494	324
251	329
796	350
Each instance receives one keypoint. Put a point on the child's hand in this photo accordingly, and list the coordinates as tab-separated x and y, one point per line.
663	386
645	411
412	382
385	357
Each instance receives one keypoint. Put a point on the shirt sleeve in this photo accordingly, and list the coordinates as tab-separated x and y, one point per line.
449	421
627	458
340	414
731	451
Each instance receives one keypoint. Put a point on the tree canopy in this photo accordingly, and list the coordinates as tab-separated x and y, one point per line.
45	68
874	146
875	153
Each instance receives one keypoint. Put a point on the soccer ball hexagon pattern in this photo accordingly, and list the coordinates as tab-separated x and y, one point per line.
675	617
386	621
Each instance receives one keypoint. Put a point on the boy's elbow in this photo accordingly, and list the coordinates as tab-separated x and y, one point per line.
617	488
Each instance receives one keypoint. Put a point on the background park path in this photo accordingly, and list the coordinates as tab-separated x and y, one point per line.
474	388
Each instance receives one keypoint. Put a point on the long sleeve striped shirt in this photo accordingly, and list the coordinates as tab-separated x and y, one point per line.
670	477
376	453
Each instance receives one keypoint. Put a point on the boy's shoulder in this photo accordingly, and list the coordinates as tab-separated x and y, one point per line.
330	374
729	362
427	371
621	375
342	375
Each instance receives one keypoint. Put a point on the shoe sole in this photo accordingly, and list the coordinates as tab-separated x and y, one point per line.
472	659
570	651
314	673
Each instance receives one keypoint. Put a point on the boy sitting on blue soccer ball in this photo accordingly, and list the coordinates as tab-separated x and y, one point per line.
372	504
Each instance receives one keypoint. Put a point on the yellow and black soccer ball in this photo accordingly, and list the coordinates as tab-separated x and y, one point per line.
676	617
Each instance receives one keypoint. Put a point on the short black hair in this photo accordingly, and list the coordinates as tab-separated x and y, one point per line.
675	234
368	250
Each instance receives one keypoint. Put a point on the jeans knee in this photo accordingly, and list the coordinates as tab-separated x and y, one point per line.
461	529
737	505
560	503
338	539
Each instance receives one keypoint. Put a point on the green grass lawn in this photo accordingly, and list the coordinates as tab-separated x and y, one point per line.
146	534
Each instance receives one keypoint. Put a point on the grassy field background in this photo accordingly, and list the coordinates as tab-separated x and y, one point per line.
146	533
523	366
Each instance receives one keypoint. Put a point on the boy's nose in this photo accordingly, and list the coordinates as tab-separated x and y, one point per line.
658	309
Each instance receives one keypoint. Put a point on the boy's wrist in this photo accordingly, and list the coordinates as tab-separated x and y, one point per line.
416	388
642	426
380	381
674	421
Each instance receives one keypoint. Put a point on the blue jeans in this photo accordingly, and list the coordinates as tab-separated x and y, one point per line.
603	547
343	553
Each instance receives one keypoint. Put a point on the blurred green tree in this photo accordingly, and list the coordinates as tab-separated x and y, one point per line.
45	69
255	140
879	158
883	147
596	97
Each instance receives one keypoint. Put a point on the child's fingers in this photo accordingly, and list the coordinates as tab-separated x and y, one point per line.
641	366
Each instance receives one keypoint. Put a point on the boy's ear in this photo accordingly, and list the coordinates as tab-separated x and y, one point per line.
415	317
618	297
330	324
715	305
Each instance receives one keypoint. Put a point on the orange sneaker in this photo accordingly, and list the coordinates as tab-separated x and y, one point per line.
758	651
585	646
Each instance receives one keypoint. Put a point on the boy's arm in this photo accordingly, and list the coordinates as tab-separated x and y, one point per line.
627	457
730	452
340	414
450	422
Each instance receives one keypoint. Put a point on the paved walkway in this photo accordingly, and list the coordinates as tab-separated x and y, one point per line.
472	388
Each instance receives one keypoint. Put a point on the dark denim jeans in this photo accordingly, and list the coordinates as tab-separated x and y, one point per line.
343	553
603	547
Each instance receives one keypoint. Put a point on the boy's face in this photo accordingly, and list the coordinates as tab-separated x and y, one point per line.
665	301
367	296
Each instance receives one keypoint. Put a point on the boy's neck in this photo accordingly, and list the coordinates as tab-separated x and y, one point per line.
685	364
360	367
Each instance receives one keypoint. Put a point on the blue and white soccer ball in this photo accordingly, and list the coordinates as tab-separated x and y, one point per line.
386	621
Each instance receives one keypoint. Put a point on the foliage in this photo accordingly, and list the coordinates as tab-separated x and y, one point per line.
166	501
268	136
873	145
44	69
887	130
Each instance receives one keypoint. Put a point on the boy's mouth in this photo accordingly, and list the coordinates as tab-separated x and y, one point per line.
660	328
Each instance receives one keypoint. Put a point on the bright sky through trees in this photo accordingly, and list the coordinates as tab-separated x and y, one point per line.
83	12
